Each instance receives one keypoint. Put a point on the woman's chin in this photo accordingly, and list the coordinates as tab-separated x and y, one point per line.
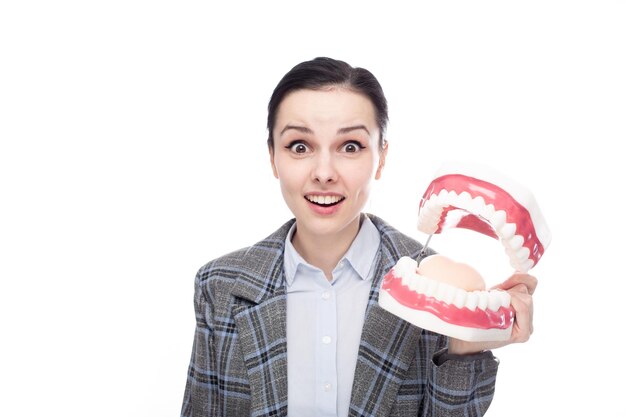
328	225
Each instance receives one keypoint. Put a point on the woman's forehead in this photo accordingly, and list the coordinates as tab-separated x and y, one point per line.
328	107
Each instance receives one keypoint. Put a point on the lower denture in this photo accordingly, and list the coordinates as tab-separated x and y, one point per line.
478	318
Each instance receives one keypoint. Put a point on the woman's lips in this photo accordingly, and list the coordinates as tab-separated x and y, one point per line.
324	204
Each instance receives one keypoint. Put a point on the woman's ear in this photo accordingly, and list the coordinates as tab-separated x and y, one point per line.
271	150
381	161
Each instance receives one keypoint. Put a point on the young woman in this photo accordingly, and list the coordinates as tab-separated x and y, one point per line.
291	325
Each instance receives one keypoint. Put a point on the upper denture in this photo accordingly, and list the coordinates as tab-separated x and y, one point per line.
459	200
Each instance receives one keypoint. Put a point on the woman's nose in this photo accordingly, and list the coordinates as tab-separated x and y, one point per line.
324	169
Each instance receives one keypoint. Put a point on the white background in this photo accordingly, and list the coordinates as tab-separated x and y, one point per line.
133	151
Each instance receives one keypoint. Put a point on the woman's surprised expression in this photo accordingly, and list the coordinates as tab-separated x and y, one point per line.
326	154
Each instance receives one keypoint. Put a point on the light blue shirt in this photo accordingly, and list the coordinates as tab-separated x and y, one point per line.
324	323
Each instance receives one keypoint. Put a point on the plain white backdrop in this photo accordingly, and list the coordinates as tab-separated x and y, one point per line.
133	151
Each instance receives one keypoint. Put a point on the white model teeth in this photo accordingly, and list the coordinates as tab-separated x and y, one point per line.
452	197
527	265
483	300
472	301
445	292
431	287
321	199
428	227
432	209
492	300
443	195
477	204
515	242
519	255
488	211
459	298
507	231
505	298
498	219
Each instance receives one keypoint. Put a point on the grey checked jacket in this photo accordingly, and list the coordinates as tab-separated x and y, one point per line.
239	359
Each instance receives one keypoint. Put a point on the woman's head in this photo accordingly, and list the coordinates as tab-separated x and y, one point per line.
326	73
326	145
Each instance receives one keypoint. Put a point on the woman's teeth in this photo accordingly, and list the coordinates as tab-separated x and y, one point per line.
324	200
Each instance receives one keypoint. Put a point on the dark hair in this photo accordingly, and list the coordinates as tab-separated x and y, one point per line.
327	72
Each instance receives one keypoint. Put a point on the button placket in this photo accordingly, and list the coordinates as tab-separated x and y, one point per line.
326	368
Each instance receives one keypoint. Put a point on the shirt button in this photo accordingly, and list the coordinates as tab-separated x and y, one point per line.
325	295
327	387
326	340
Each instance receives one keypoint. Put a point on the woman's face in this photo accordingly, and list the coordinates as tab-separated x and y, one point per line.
326	154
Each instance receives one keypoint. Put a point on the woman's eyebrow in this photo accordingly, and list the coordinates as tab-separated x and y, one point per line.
300	129
341	131
349	129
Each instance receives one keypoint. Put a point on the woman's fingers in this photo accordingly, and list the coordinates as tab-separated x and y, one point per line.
522	303
529	281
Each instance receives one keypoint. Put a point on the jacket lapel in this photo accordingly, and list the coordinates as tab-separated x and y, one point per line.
260	314
388	343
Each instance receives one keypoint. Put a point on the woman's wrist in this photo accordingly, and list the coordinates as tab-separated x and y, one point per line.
461	347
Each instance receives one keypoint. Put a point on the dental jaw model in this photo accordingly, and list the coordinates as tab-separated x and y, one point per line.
446	297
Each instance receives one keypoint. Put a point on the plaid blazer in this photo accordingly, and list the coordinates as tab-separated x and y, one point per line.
239	359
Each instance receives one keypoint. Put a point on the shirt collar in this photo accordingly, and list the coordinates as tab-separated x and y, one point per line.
361	253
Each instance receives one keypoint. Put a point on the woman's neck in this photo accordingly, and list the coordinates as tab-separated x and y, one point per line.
325	251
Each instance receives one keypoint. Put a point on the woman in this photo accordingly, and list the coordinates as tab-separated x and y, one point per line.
291	325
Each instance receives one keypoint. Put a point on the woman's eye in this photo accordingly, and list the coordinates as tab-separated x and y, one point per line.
352	147
298	147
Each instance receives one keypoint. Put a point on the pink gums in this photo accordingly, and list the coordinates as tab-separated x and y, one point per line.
480	319
492	194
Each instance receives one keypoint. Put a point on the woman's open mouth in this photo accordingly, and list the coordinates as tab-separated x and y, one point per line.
324	205
324	200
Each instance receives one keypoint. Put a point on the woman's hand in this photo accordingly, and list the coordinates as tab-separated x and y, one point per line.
521	288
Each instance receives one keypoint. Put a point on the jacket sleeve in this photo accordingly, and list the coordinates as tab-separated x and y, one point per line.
459	385
201	397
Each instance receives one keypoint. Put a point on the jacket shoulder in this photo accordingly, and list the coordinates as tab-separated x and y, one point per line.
230	261
249	260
